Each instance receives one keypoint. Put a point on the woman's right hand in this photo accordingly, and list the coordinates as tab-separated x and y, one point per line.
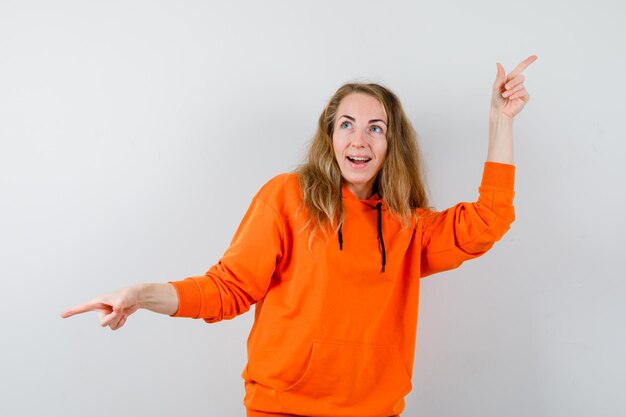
113	309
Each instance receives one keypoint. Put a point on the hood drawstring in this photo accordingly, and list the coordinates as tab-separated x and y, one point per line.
380	235
340	236
379	207
339	232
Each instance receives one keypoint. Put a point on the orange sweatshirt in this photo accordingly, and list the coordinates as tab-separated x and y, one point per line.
333	334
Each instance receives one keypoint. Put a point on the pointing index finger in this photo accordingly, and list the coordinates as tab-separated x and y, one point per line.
82	308
521	66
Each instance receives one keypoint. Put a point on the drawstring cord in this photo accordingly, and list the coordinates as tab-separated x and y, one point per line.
340	232
340	235
380	235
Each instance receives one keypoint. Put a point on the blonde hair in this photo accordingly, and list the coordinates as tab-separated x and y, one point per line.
400	181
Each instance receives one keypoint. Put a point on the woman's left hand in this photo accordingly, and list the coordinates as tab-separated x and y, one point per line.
509	95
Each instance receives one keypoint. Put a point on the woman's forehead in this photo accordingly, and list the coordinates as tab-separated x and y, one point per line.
361	106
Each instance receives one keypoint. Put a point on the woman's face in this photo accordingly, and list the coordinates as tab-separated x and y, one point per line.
360	141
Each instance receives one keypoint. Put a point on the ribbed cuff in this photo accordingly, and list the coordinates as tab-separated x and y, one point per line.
189	298
499	175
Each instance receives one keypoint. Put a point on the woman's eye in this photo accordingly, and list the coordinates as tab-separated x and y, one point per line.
376	129
345	125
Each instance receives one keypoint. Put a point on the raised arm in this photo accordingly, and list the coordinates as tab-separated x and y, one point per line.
508	99
467	230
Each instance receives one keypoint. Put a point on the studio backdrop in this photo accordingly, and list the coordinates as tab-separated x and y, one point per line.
134	134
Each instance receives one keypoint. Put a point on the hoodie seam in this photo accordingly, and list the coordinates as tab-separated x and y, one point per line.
280	221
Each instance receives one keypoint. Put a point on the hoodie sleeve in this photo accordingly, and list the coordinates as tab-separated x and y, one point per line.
242	276
467	230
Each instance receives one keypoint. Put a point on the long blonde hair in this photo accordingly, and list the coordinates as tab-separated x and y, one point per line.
400	182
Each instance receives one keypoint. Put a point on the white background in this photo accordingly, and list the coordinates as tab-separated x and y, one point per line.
135	133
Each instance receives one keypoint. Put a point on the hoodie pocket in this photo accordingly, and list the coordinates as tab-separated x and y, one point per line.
349	379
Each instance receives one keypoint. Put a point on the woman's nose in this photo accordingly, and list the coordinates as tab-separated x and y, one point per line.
359	139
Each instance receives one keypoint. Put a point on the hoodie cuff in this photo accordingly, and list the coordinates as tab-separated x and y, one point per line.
499	175
189	298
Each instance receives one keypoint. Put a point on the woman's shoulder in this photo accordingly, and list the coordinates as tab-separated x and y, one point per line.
281	182
281	189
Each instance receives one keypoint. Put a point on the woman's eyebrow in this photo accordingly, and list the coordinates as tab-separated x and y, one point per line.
371	121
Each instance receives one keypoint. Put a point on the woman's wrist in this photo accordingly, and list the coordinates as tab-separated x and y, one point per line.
160	298
500	138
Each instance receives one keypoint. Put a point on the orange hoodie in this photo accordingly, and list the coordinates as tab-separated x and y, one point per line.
333	334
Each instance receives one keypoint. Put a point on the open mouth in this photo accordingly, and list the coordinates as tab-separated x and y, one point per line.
359	161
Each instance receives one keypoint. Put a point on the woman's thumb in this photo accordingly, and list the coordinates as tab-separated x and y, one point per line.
118	306
500	77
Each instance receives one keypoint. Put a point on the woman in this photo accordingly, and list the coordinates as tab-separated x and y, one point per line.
332	255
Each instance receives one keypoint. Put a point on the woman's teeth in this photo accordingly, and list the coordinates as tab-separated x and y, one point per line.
359	159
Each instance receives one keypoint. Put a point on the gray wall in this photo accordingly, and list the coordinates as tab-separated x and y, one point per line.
134	134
